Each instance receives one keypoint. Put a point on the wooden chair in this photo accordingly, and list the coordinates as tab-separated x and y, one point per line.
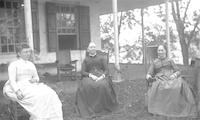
65	65
102	53
16	111
106	56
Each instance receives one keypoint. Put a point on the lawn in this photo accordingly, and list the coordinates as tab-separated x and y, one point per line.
130	95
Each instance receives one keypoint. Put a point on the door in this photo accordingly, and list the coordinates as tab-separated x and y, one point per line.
67	30
68	26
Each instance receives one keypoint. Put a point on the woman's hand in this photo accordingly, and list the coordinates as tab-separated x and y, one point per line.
19	94
93	77
148	76
173	76
100	78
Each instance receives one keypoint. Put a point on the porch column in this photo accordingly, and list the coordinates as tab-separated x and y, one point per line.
167	26
144	61
143	41
28	23
114	7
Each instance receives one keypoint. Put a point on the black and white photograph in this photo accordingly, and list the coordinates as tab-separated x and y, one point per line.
99	60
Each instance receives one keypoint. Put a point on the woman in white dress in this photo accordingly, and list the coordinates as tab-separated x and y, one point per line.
39	100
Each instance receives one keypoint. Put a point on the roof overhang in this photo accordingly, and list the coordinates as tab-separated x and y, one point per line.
106	5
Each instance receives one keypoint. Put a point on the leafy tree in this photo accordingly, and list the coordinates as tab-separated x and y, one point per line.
126	20
156	32
184	28
187	28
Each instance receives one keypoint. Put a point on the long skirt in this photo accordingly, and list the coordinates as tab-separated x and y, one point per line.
95	98
40	101
171	98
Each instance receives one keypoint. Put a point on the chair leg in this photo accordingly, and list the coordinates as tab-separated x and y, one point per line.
58	75
13	111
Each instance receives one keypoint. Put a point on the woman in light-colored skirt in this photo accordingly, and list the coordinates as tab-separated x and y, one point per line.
39	100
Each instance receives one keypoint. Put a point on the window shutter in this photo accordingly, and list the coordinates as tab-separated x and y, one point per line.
51	26
35	22
84	27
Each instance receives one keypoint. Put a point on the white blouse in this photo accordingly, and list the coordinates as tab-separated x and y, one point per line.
20	72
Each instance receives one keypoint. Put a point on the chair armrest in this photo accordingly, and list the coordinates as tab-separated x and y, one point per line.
186	76
74	61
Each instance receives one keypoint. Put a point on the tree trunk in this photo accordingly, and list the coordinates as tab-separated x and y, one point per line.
181	32
185	52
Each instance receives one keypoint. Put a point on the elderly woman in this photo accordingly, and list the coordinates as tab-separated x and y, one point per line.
95	94
169	95
39	100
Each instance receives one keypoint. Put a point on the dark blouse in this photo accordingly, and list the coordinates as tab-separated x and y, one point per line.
96	65
166	67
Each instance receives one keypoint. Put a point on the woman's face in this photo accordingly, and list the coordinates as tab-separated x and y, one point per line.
92	48
161	52
25	53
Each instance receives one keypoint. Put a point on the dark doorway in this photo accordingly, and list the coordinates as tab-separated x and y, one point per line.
67	42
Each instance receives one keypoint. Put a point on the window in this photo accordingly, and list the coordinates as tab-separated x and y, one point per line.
11	25
68	26
66	23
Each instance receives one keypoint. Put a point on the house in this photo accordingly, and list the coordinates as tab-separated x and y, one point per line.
56	24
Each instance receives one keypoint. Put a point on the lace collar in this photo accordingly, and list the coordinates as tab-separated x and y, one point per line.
93	55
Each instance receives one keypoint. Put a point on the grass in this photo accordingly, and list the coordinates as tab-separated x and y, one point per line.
130	94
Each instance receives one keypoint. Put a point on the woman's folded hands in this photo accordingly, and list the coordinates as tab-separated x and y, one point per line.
173	76
19	94
101	77
148	76
95	78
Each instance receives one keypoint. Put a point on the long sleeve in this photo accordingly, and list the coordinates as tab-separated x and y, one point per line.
151	69
35	73
84	71
175	68
105	66
12	74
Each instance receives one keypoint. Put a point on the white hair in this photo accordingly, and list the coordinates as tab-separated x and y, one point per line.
92	44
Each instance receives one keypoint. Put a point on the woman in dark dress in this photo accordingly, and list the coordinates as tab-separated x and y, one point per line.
95	94
169	95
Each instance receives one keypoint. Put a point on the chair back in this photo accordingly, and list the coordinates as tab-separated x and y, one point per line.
104	54
78	55
101	53
63	57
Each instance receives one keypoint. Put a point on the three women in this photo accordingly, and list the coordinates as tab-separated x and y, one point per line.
168	96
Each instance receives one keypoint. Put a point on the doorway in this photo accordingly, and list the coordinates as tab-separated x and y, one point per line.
66	27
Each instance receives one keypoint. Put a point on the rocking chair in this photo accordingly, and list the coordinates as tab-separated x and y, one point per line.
65	65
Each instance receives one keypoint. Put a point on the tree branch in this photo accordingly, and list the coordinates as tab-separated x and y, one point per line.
185	14
198	28
178	11
194	29
173	12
